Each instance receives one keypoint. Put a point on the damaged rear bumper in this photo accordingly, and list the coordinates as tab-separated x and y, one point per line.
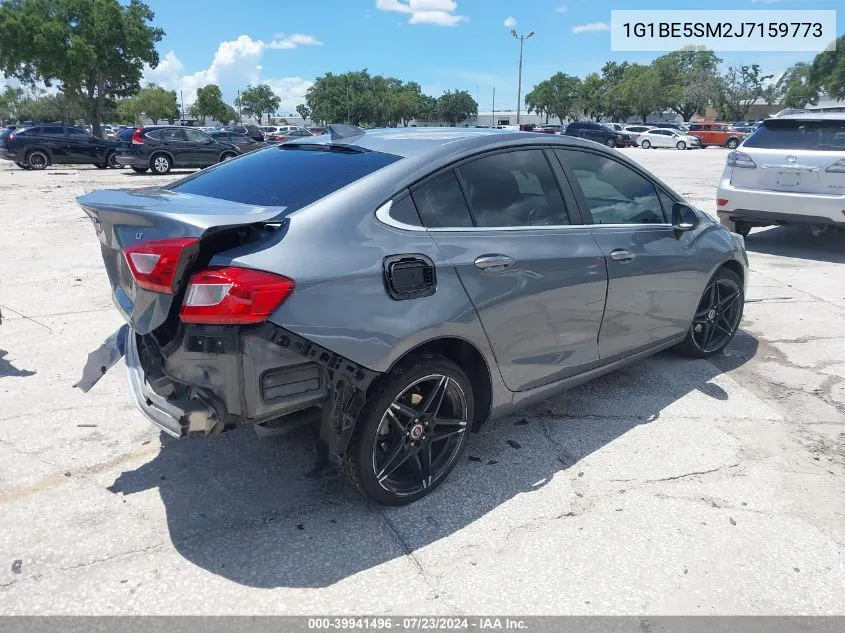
207	379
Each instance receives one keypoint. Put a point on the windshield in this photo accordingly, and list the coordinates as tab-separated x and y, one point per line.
293	178
797	134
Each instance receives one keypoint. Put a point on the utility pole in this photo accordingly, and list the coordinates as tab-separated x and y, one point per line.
182	99
238	103
521	39
493	115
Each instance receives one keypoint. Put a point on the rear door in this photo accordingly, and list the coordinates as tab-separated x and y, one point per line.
796	156
82	146
536	277
653	276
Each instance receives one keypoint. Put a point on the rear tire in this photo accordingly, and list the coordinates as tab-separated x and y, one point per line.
717	316
160	164
37	160
645	144
394	415
140	170
111	161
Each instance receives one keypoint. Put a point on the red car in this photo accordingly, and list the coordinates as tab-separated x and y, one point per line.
317	130
287	134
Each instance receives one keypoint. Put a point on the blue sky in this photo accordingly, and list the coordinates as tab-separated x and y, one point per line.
441	44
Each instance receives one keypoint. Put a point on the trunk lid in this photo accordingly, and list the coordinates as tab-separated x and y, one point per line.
125	218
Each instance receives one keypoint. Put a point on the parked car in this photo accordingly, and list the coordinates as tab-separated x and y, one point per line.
791	170
550	129
161	148
287	133
680	127
600	133
659	137
241	141
40	146
744	129
317	131
720	134
252	131
636	130
231	291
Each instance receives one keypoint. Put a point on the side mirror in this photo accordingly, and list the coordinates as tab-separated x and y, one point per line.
684	218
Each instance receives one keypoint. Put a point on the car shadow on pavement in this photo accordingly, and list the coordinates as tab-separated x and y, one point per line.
9	370
799	242
245	508
145	174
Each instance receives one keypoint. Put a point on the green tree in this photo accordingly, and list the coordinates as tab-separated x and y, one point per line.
428	109
688	80
457	106
209	103
227	115
741	87
828	70
539	100
640	90
793	88
256	101
304	111
95	49
128	111
9	103
612	74
564	91
157	103
593	97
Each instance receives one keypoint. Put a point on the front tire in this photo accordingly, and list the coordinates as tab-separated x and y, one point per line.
411	432
227	156
37	160
160	164
645	144
717	316
611	142
681	145
733	143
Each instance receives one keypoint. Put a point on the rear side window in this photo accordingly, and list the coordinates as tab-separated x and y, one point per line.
125	134
799	135
513	189
167	134
292	178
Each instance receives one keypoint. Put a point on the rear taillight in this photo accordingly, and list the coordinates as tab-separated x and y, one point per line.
721	202
741	159
837	168
137	136
154	264
233	296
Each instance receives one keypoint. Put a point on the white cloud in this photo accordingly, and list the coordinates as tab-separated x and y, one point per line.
236	64
510	22
591	27
562	9
439	12
292	41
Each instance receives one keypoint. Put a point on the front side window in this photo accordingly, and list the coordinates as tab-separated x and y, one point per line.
615	194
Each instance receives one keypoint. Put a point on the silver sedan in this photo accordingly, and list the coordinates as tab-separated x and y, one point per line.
667	138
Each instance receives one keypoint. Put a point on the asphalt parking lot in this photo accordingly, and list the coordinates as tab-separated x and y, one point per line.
672	487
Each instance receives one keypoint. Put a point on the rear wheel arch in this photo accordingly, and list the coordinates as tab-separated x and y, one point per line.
466	356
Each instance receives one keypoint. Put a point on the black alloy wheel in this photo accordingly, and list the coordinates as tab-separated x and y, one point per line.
409	440
717	317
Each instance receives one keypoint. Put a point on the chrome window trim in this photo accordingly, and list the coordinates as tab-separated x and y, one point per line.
383	215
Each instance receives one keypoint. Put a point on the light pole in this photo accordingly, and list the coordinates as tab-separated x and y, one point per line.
521	39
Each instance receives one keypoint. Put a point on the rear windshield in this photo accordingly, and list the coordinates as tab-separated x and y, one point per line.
125	134
795	134
293	178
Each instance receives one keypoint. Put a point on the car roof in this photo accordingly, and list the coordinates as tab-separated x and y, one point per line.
407	142
809	115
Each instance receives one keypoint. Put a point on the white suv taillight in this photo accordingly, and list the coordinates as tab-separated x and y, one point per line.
741	159
837	168
233	296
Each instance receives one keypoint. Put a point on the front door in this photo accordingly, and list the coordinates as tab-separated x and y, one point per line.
203	149
82	146
536	278
653	276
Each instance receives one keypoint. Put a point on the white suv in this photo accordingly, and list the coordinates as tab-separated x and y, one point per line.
791	170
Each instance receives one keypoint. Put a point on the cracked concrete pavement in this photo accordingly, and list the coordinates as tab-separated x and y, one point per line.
671	487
